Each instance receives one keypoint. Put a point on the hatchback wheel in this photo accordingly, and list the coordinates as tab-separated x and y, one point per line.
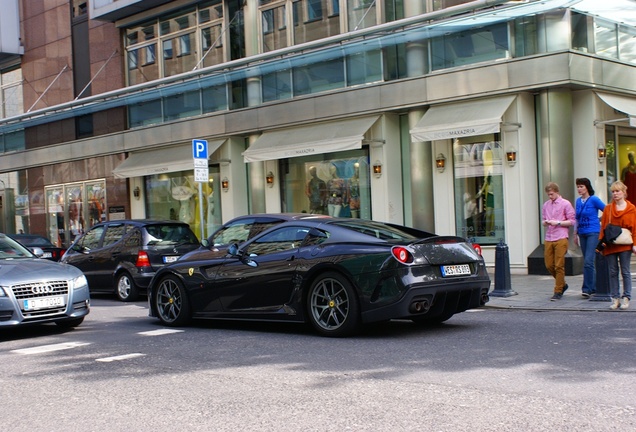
171	302
125	288
333	306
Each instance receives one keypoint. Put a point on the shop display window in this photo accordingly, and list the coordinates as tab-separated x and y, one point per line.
479	207
74	208
335	186
175	196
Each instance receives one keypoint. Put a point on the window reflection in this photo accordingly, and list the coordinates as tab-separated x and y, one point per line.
479	188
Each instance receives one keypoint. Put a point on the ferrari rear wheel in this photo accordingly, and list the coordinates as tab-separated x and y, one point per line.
171	302
333	306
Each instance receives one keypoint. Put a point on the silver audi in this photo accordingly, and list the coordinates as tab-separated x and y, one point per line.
35	290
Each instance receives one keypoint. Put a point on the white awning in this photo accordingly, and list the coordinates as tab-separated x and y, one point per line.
623	104
309	140
460	119
163	160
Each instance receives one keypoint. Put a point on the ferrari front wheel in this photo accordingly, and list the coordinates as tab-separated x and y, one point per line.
333	306
171	302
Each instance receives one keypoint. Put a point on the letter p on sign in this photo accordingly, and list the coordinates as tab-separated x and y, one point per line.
199	149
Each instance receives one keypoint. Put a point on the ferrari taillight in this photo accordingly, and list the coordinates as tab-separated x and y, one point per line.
477	248
402	254
142	260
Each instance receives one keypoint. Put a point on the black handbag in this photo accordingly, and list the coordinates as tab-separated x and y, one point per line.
611	232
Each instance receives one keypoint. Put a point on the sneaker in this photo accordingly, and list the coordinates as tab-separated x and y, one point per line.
565	288
615	303
585	295
624	303
556	297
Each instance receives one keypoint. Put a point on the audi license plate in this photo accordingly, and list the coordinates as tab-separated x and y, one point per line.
43	303
170	259
455	270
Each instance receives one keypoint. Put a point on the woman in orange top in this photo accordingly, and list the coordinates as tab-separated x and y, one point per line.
622	213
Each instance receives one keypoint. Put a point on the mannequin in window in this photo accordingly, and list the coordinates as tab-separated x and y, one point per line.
336	188
489	198
628	176
354	191
316	191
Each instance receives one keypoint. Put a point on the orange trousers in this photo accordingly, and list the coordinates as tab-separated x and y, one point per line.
554	257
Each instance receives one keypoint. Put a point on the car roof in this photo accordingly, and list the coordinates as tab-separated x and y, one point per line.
283	216
141	222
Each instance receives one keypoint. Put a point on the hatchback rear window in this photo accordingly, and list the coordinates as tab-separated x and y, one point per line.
166	234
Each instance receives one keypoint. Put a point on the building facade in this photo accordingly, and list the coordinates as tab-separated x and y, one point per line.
449	116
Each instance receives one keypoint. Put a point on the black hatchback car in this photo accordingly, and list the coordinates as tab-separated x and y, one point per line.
122	256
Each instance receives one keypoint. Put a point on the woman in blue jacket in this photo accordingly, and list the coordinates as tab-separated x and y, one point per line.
586	231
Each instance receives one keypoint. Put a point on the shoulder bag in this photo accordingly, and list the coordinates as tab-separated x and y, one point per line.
617	235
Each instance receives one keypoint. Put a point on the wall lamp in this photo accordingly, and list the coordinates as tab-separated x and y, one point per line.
511	156
269	179
137	193
377	169
225	184
440	162
601	153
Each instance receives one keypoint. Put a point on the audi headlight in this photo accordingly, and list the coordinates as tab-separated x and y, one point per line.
2	292
78	282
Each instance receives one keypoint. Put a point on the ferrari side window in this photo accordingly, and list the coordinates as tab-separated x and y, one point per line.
316	237
279	240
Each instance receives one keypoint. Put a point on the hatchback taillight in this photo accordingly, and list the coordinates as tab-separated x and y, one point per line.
402	254
142	259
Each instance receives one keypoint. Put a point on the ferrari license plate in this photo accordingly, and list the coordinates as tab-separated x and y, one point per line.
47	255
43	303
455	270
170	259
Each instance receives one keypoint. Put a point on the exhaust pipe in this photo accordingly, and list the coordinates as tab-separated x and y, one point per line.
421	306
484	299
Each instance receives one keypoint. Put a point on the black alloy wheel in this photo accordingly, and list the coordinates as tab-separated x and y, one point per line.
333	306
171	302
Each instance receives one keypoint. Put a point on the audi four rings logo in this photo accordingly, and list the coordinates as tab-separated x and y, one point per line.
42	289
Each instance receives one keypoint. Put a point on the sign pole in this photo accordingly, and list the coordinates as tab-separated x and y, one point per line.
201	173
201	209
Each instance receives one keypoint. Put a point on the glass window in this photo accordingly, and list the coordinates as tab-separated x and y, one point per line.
113	234
627	44
91	239
214	98
312	23
277	85
145	113
96	198
526	41
580	28
11	100
473	46
605	39
274	28
182	105
319	77
14	141
334	185
212	39
75	204
279	240
237	232
362	14
364	68
479	188
175	196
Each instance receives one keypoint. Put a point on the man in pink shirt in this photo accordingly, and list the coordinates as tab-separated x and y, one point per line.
558	217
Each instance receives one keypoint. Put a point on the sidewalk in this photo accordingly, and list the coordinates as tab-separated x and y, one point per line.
534	292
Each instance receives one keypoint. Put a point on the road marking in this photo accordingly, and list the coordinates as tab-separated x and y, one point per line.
50	348
159	332
120	357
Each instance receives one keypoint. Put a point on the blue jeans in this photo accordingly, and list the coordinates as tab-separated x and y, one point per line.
612	264
588	244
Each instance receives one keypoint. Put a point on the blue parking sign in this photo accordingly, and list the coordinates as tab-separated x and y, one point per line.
199	149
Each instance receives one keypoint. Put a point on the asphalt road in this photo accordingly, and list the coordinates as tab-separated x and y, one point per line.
487	370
